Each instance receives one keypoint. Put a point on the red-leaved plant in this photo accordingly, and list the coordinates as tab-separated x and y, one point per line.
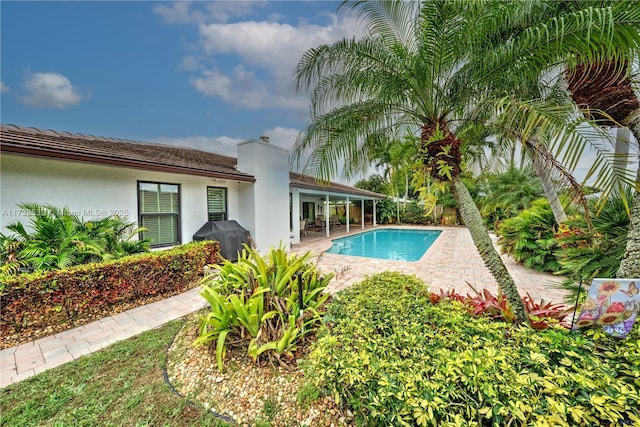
541	314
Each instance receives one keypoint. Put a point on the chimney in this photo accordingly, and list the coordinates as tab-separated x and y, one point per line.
264	138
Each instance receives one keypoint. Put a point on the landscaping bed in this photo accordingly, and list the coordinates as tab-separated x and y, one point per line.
251	394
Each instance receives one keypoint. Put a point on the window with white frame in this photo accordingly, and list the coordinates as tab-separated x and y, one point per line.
217	203
159	212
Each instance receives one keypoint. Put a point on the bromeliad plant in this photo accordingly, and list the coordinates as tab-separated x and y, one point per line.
273	302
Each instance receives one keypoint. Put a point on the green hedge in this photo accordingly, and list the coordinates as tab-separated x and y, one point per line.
394	358
43	299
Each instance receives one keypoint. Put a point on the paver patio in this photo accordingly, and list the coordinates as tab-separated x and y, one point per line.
451	263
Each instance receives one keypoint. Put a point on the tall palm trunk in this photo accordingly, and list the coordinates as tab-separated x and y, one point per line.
473	220
441	154
630	265
549	190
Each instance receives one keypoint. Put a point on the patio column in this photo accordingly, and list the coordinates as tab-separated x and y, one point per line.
362	213
295	216
326	216
347	214
374	212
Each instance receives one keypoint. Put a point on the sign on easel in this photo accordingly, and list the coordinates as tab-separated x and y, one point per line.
612	304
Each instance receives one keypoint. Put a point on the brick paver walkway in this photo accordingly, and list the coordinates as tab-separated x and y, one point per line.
452	262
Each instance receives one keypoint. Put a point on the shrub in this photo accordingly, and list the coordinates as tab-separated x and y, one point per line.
260	300
394	358
385	210
59	239
529	237
49	298
587	254
413	213
507	194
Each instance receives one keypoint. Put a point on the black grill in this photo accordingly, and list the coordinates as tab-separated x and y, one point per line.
230	234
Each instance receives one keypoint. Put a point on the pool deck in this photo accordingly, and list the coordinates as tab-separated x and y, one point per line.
452	262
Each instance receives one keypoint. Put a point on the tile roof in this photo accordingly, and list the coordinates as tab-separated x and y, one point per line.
146	156
118	152
309	183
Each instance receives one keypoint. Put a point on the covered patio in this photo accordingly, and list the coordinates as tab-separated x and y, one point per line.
323	207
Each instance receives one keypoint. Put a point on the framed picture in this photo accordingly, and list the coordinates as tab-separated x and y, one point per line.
612	304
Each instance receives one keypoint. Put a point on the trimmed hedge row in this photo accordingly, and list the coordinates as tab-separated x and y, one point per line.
394	358
44	299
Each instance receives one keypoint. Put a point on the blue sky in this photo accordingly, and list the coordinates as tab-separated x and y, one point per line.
202	74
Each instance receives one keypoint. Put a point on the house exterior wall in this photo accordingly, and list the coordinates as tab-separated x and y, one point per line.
265	206
95	191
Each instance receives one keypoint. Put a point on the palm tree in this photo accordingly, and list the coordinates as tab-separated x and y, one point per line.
399	77
418	69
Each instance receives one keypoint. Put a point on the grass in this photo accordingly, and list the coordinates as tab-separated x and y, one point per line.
122	385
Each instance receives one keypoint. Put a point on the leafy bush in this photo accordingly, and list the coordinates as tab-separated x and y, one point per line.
587	254
394	358
413	213
60	239
529	237
47	299
260	300
385	210
507	194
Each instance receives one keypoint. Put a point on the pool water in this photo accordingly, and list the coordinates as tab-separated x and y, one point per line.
388	243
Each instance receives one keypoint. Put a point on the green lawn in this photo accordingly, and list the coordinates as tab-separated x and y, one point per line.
122	385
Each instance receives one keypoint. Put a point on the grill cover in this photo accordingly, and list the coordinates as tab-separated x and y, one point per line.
230	234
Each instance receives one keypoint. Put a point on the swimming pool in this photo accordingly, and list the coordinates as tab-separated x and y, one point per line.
388	243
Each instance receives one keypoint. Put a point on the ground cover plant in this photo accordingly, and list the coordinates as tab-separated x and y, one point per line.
272	303
122	385
395	358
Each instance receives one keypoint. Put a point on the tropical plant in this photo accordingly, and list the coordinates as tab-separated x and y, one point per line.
272	302
414	213
120	237
399	78
507	194
584	254
385	210
529	237
57	238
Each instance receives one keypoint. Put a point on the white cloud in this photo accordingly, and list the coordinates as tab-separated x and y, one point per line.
4	88
282	137
50	90
223	145
254	60
183	12
269	52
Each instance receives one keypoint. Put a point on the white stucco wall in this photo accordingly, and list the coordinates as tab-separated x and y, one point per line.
266	203
95	191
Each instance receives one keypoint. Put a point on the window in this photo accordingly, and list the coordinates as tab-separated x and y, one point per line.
217	203
159	210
